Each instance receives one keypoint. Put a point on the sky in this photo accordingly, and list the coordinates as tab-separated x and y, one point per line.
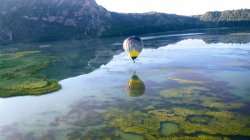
179	7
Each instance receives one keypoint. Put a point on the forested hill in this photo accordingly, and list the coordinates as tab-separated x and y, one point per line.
132	24
49	20
229	15
229	18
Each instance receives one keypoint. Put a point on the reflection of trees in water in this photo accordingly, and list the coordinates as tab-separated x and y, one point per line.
101	57
230	38
225	35
163	41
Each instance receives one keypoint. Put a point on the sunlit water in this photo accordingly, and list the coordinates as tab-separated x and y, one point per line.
187	75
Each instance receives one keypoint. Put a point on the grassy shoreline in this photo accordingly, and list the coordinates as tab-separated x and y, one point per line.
19	74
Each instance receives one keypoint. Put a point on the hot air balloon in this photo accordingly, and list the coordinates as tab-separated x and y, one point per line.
135	87
133	46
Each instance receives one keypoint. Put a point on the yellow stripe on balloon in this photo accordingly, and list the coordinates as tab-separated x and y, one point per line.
133	53
134	81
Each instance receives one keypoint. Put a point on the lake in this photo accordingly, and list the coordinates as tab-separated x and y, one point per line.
184	85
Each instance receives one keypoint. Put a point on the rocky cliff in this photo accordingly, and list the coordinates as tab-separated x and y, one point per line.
51	19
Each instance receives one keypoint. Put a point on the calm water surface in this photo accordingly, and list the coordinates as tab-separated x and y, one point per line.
182	86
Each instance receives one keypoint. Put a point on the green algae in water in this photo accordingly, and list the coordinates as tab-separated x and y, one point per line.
18	75
219	122
168	128
199	137
136	122
202	96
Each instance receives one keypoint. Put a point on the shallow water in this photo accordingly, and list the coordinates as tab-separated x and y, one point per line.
202	87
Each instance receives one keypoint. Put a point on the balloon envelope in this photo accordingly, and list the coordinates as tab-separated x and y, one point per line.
133	46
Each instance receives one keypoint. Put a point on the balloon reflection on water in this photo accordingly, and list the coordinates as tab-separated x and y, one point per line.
135	86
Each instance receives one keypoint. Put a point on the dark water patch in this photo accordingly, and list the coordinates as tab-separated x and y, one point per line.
195	77
90	119
200	119
75	134
14	136
86	105
221	90
248	89
48	113
194	106
130	136
215	83
9	129
58	120
18	135
101	133
54	124
244	110
199	133
50	135
239	137
82	113
231	137
92	96
162	84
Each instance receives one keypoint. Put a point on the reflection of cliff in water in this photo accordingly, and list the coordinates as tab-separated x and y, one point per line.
82	56
135	86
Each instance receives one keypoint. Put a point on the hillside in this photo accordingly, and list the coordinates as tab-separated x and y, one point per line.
229	15
49	20
228	18
127	24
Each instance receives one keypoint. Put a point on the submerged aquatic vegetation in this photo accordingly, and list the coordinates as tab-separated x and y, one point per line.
190	78
146	121
18	75
213	119
102	133
199	137
185	81
201	96
92	118
215	122
181	92
135	122
202	119
192	124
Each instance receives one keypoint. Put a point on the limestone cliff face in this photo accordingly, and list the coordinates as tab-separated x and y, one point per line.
20	19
